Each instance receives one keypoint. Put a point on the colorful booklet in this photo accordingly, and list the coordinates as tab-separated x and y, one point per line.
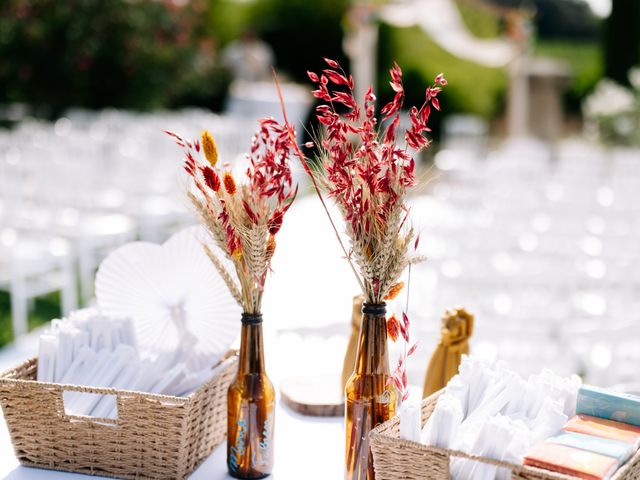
571	461
598	402
621	451
604	428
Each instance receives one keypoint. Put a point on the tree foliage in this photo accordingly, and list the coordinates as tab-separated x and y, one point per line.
622	40
96	53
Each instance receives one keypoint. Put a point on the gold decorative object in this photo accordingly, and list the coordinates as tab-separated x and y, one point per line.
456	328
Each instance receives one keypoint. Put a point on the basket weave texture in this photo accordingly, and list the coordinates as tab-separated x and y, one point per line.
154	436
397	459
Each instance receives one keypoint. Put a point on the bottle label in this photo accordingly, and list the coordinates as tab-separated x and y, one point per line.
253	438
261	457
237	451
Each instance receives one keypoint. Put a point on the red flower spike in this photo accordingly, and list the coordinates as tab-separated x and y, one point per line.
247	208
393	328
211	178
398	383
404	332
367	173
331	63
275	222
390	135
336	77
405	320
412	349
440	79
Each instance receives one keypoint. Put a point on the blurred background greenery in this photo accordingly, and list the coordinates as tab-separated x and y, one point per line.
164	54
148	54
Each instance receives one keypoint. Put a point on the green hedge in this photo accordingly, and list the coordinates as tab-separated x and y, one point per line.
94	53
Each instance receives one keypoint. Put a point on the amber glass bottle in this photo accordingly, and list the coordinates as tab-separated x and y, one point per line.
369	400
250	408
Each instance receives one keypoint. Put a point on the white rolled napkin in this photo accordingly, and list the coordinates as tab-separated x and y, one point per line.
47	352
410	420
83	361
92	348
101	335
490	411
442	427
64	352
491	441
123	381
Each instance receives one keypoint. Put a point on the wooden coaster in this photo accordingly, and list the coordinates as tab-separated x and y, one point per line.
318	396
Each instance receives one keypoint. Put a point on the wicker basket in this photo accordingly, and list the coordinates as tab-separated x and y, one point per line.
396	459
154	436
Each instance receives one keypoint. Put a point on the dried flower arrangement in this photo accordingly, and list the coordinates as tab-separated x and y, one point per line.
361	167
242	219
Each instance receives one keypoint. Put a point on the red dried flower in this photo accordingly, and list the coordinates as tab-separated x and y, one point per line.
275	222
394	291
229	183
259	206
331	63
393	328
211	178
367	174
271	247
374	167
440	79
249	211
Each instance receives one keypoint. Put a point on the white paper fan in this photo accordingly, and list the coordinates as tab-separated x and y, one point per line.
173	293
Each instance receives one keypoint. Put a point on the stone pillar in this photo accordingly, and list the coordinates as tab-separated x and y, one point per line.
518	100
519	30
548	80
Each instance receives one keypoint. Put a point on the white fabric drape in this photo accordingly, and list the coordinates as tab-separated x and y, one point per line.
441	20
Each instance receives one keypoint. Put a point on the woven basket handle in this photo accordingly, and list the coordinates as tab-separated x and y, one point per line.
63	387
129	404
92	391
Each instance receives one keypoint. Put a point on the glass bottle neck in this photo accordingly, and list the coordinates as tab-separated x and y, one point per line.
372	356
251	347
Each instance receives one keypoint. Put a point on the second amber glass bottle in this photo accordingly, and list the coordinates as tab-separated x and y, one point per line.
369	400
250	408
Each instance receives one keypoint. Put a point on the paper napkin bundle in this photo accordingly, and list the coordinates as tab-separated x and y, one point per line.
491	411
91	348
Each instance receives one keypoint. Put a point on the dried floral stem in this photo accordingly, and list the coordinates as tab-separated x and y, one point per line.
226	276
303	160
242	218
366	174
